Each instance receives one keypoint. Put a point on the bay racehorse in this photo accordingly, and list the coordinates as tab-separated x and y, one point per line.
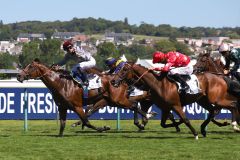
206	63
68	95
144	100
214	91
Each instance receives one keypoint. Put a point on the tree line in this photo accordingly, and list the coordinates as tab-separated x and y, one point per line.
49	52
100	25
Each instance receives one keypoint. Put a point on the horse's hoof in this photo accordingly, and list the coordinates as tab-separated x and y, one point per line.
196	137
141	129
74	125
204	134
237	131
154	113
106	128
100	130
226	123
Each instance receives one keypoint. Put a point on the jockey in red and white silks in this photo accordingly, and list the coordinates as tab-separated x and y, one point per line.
173	59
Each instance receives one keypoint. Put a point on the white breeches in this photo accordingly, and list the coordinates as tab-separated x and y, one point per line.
187	70
88	64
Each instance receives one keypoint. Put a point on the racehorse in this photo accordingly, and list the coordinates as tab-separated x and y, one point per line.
213	90
144	100
68	95
205	63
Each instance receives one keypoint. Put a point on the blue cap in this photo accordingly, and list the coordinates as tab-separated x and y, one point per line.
110	61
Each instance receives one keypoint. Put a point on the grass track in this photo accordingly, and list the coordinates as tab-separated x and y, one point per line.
40	142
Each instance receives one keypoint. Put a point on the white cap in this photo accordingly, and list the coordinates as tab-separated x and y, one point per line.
224	47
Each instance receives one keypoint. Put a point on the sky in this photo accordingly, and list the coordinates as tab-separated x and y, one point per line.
177	13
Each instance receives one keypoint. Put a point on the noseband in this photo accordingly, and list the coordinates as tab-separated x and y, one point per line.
37	70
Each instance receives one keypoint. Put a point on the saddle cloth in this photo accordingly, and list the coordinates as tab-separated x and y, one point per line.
193	84
95	82
136	92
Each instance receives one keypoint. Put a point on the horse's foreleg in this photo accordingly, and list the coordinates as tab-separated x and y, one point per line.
205	123
165	116
62	115
78	123
83	116
91	109
176	124
181	114
136	122
145	105
100	104
235	118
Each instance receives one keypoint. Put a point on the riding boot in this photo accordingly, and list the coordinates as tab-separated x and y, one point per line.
184	86
84	76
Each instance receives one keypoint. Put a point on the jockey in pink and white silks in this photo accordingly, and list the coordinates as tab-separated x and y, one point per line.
178	60
83	58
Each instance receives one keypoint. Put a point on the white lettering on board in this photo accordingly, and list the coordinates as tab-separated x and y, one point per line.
6	102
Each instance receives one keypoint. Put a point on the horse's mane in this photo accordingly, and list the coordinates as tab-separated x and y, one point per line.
158	76
206	63
63	71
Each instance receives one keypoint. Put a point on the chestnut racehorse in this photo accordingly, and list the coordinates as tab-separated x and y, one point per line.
68	95
213	90
144	100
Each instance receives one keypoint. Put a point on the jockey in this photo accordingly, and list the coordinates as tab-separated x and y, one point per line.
231	55
83	58
114	64
181	63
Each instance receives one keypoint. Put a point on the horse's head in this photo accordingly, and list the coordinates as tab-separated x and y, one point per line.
31	71
207	63
125	74
202	63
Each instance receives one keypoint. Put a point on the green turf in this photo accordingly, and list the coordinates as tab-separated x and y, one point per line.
40	142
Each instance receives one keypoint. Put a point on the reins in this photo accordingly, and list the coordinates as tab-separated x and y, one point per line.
38	71
138	77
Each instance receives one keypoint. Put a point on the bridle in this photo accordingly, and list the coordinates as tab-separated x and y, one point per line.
206	67
37	70
130	69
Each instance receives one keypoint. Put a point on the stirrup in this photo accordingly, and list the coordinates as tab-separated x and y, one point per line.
86	83
184	89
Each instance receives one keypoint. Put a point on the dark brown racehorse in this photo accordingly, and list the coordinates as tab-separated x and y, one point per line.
214	90
68	95
205	63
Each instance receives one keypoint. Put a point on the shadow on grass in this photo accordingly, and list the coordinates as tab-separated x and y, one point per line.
4	136
163	134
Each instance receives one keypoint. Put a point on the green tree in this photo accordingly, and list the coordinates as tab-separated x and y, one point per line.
182	48
7	61
30	51
105	50
50	51
164	46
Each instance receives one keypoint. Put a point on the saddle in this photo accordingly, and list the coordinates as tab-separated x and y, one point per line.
190	80
184	77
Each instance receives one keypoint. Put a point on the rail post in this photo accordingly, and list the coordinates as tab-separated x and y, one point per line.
118	118
25	109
